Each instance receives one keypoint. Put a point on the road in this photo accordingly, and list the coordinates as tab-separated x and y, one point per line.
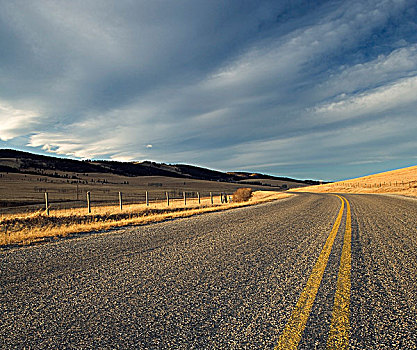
294	273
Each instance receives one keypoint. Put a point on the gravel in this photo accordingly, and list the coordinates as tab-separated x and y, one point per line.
384	273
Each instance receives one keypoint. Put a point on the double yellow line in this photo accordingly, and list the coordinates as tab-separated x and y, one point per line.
339	327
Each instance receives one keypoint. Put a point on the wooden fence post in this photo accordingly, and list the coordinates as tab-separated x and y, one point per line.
198	195
185	198
211	197
46	203
167	198
147	199
120	201
88	202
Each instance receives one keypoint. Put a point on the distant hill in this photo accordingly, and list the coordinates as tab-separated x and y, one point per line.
256	176
29	163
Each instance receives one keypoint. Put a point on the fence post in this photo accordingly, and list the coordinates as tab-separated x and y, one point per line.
185	198
167	195
147	199
88	203
198	195
120	201
211	197
46	203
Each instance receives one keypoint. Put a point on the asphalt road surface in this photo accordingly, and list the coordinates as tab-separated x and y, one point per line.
313	271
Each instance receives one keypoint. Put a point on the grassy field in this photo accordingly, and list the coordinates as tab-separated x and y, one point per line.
25	193
23	228
400	181
275	183
23	218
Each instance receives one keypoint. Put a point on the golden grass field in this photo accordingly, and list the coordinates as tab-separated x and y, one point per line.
25	193
400	181
23	217
24	228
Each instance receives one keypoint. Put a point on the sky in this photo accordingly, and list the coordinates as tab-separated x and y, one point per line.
308	89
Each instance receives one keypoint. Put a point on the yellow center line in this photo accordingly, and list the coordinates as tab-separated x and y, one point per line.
291	335
340	327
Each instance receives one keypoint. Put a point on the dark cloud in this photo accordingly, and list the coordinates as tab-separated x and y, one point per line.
274	86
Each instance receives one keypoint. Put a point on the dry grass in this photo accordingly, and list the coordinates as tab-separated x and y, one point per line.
274	183
25	192
24	229
401	181
242	194
267	196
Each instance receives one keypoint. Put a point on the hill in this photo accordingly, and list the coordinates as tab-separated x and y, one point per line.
401	181
29	163
25	177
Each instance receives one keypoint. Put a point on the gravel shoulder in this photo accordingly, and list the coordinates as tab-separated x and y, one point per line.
384	272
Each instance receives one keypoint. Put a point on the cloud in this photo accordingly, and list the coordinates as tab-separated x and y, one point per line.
388	97
383	70
84	146
211	83
15	122
330	151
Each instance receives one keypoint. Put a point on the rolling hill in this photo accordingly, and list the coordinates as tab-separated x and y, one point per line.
28	163
400	181
26	177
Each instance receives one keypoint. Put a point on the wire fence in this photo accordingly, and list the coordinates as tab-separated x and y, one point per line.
402	184
58	198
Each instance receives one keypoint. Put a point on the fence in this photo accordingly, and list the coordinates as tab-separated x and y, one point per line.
94	199
401	184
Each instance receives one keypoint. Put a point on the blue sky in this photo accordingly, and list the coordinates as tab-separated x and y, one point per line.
308	89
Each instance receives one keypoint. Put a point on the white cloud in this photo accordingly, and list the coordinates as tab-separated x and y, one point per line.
398	94
279	59
109	135
383	70
78	147
15	122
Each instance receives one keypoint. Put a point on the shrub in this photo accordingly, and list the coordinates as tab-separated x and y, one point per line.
242	195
